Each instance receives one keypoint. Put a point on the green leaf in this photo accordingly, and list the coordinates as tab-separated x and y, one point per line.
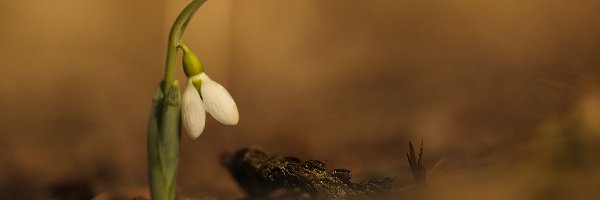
155	169
163	142
170	136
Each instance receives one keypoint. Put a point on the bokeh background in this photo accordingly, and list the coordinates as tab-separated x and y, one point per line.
504	94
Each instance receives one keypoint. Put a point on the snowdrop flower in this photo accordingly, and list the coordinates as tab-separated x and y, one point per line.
213	98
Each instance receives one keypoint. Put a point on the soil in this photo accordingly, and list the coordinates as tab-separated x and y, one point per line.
264	176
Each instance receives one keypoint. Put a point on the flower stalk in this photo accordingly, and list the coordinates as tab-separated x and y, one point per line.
164	126
175	37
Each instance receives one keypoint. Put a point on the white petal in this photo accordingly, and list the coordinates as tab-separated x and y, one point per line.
218	102
192	111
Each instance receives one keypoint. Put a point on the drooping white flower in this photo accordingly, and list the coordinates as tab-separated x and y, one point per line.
217	101
192	111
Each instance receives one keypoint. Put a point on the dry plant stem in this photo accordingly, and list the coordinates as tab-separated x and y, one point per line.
416	165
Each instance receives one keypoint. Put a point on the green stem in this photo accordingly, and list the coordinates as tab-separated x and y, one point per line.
175	37
163	129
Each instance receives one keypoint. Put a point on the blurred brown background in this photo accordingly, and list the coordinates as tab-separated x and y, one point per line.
505	94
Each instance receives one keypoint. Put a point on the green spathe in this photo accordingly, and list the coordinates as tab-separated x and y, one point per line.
163	143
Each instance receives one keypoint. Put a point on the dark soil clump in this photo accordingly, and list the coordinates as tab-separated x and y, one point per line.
264	176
